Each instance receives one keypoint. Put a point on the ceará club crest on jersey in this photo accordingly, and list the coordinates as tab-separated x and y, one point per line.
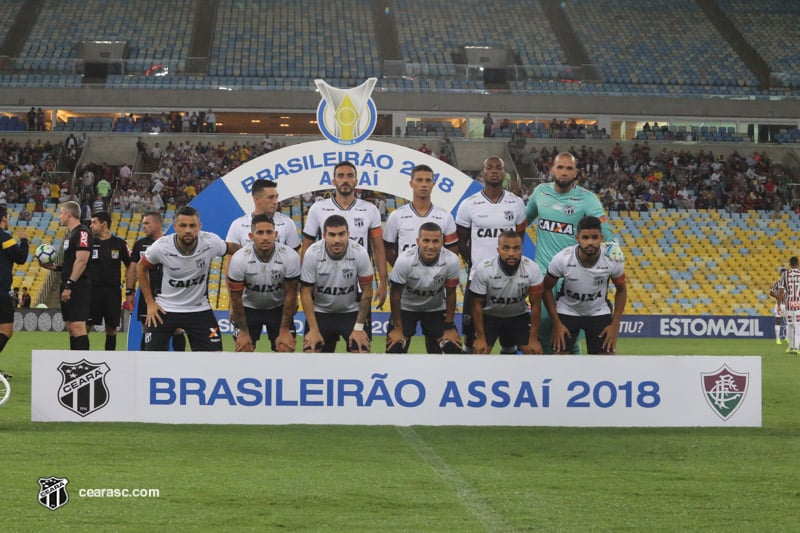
346	116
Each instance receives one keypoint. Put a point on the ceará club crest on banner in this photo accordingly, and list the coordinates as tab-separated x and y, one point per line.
346	116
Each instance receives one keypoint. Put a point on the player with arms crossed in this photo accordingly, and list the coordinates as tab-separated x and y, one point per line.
424	281
10	252
778	311
109	254
789	297
557	207
262	283
336	291
151	227
362	217
501	288
480	220
402	227
582	304
265	201
182	301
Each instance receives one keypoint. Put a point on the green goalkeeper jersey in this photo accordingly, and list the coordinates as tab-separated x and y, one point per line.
558	215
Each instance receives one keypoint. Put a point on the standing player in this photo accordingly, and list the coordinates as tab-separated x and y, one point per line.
151	226
76	287
778	311
500	287
10	252
265	201
789	297
182	301
582	303
109	254
363	221
424	281
262	283
334	269
557	207
402	227
480	220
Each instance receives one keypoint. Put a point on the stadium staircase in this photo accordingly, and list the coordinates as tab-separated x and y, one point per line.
20	28
725	26
202	37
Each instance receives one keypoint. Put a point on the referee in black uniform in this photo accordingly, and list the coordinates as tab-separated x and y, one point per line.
76	287
10	252
109	255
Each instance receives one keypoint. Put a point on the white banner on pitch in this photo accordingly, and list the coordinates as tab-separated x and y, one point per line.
265	388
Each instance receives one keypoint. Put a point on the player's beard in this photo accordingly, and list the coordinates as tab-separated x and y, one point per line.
509	268
565	185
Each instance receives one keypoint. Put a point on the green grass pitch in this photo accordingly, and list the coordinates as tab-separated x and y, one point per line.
449	479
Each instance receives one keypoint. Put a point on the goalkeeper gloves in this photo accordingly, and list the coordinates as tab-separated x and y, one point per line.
614	252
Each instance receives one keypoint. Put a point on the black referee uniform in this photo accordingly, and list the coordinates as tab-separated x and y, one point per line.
108	256
10	252
78	307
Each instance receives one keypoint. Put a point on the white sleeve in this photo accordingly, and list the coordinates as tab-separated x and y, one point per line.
363	264
308	272
478	282
400	271
221	246
311	229
390	230
292	239
292	259
236	266
463	216
154	253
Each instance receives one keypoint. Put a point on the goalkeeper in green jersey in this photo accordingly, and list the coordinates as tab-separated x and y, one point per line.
557	207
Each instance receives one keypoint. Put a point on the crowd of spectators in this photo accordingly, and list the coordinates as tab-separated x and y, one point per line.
30	172
673	178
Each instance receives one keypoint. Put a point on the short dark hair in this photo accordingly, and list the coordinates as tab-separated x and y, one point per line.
421	168
261	218
430	226
261	184
509	234
794	262
187	211
335	221
154	214
103	216
589	223
3	211
344	164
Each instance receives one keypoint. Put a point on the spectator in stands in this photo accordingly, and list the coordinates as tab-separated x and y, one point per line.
40	120
194	122
32	119
424	149
488	125
25	298
104	190
211	122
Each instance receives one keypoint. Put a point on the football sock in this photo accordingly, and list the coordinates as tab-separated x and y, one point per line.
79	343
111	342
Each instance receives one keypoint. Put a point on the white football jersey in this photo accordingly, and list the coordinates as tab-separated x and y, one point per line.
362	217
585	289
506	295
402	226
262	281
336	281
424	284
239	231
184	284
486	220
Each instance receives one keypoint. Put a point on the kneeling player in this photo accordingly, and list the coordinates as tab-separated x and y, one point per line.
336	290
262	282
582	303
424	281
500	287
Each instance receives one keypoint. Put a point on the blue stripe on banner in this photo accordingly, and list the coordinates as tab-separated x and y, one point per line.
217	207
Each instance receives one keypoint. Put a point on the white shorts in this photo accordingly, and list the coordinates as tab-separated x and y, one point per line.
793	316
778	311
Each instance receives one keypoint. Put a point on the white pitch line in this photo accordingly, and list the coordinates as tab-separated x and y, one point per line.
474	502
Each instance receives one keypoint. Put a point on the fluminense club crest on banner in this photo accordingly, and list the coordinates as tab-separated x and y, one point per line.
725	390
53	492
346	116
83	386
